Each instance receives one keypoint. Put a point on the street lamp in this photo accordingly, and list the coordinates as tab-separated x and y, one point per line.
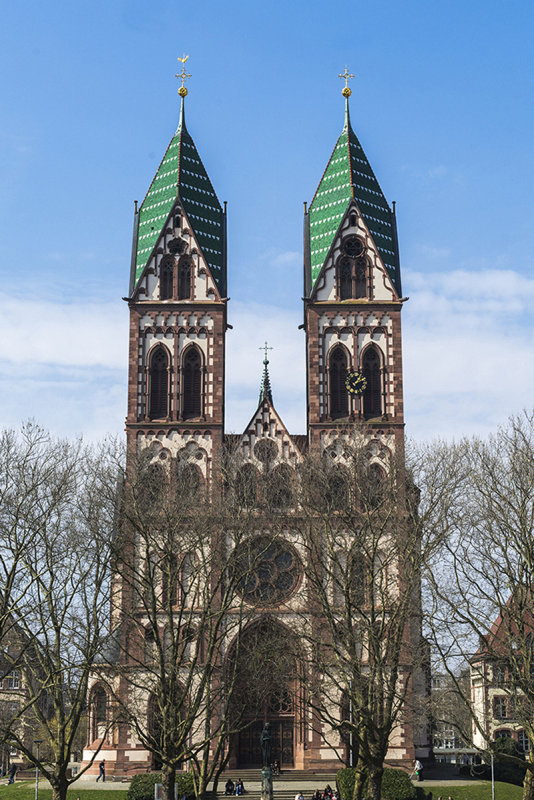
37	742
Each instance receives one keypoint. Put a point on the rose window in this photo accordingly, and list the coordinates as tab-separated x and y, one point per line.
269	570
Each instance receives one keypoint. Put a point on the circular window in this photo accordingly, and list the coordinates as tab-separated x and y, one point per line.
266	451
353	246
267	570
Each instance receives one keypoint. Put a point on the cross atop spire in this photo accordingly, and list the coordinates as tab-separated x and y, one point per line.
346	76
183	76
265	387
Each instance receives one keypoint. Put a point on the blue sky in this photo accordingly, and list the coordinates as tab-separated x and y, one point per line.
442	104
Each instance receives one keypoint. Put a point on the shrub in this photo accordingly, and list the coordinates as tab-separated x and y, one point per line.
396	784
142	786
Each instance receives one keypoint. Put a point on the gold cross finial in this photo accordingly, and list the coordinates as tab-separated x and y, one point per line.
265	347
183	76
347	76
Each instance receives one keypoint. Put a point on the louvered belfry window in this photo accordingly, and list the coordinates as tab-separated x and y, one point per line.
192	384
372	396
339	404
159	384
184	280
166	278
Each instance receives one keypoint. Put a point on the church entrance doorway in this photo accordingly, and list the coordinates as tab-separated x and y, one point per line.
267	681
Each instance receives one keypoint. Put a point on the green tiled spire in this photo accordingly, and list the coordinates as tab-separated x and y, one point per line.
182	173
349	175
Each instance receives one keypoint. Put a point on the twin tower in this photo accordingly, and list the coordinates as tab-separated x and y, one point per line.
178	317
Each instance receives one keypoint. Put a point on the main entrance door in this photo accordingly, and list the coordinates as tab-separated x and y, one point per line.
282	748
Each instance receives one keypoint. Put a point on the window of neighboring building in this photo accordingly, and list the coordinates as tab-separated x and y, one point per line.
499	674
500	707
13	680
523	742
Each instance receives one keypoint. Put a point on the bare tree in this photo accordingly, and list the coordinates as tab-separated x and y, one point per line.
366	542
481	585
58	618
181	568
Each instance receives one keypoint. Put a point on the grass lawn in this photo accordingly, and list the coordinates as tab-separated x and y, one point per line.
25	790
479	790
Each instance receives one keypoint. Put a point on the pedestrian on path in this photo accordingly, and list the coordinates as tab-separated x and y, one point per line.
12	773
102	773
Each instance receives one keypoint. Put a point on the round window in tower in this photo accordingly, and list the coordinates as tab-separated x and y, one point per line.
352	246
267	570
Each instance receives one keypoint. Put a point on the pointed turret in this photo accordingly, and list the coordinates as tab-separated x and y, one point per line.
349	176
182	175
265	388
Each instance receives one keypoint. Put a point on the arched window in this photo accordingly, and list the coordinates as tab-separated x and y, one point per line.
184	279
279	486
360	277
159	384
149	646
192	384
245	485
166	278
345	279
372	396
188	482
100	713
337	494
375	486
339	403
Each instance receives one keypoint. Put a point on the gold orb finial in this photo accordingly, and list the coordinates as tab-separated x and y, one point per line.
346	76
182	76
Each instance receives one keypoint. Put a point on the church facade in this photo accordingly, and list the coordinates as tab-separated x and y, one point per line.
176	382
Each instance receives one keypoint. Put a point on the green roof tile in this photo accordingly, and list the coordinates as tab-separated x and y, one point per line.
349	175
182	173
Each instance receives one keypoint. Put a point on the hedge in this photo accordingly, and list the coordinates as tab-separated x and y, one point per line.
396	784
142	786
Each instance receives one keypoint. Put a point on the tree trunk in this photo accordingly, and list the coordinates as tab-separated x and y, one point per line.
59	788
375	782
168	775
359	780
528	782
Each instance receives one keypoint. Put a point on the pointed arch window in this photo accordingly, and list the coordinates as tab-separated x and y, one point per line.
372	396
339	401
345	279
360	277
159	384
184	279
166	278
192	383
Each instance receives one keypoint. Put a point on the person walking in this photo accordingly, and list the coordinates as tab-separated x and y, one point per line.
102	772
418	769
12	772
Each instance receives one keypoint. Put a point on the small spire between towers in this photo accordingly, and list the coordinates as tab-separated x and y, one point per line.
265	387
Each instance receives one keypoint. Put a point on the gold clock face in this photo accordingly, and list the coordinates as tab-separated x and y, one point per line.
356	382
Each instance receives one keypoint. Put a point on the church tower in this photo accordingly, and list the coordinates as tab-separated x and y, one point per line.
177	303
352	299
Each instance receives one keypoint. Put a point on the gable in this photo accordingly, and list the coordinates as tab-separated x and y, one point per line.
353	224
266	432
177	240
